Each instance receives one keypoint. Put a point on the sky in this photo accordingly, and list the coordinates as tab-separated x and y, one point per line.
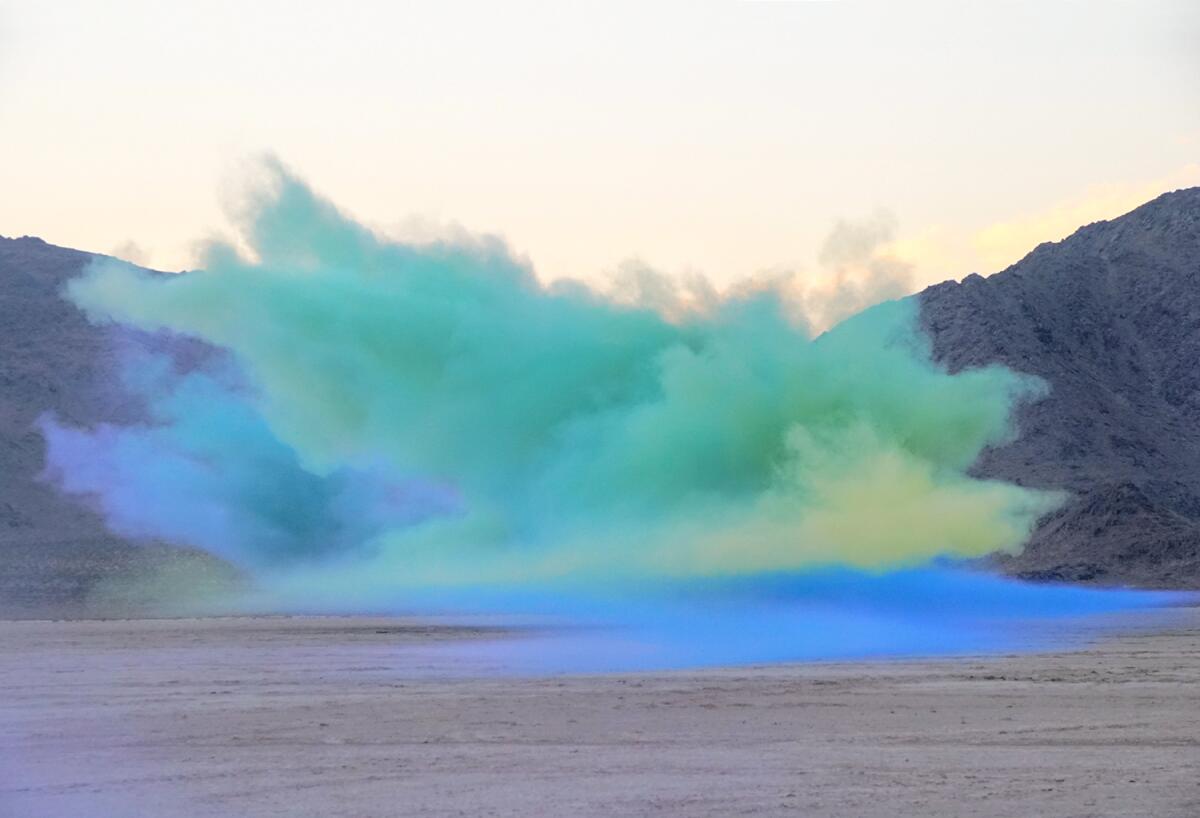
725	138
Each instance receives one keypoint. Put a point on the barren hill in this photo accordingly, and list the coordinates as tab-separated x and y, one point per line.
1110	318
54	552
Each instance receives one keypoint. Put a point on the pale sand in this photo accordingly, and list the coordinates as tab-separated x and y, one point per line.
347	717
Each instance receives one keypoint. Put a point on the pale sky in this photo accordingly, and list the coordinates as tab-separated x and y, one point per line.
726	138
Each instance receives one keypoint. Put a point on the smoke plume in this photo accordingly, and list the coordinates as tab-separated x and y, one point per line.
411	419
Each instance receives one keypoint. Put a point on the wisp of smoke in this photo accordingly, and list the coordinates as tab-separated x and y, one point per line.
812	615
420	424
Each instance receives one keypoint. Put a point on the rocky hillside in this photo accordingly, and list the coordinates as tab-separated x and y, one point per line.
1110	318
55	554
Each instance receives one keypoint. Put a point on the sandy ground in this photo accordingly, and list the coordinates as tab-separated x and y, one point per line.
353	717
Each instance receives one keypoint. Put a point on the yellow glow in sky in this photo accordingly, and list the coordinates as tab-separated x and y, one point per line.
727	138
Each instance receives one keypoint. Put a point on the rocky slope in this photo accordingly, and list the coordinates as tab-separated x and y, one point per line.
56	556
1110	318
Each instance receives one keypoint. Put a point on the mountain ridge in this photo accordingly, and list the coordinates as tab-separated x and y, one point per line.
56	555
1109	317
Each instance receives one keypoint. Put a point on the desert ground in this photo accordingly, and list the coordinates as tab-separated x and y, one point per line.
325	716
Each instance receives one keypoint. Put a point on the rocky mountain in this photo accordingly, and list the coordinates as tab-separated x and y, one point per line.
56	556
1110	319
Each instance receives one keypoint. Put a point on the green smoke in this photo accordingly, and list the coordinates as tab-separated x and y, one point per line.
586	436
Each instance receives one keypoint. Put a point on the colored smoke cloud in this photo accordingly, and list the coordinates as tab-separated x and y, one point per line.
205	470
811	615
690	475
533	433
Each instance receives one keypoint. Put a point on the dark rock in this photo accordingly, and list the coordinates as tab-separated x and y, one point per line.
54	551
1110	319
